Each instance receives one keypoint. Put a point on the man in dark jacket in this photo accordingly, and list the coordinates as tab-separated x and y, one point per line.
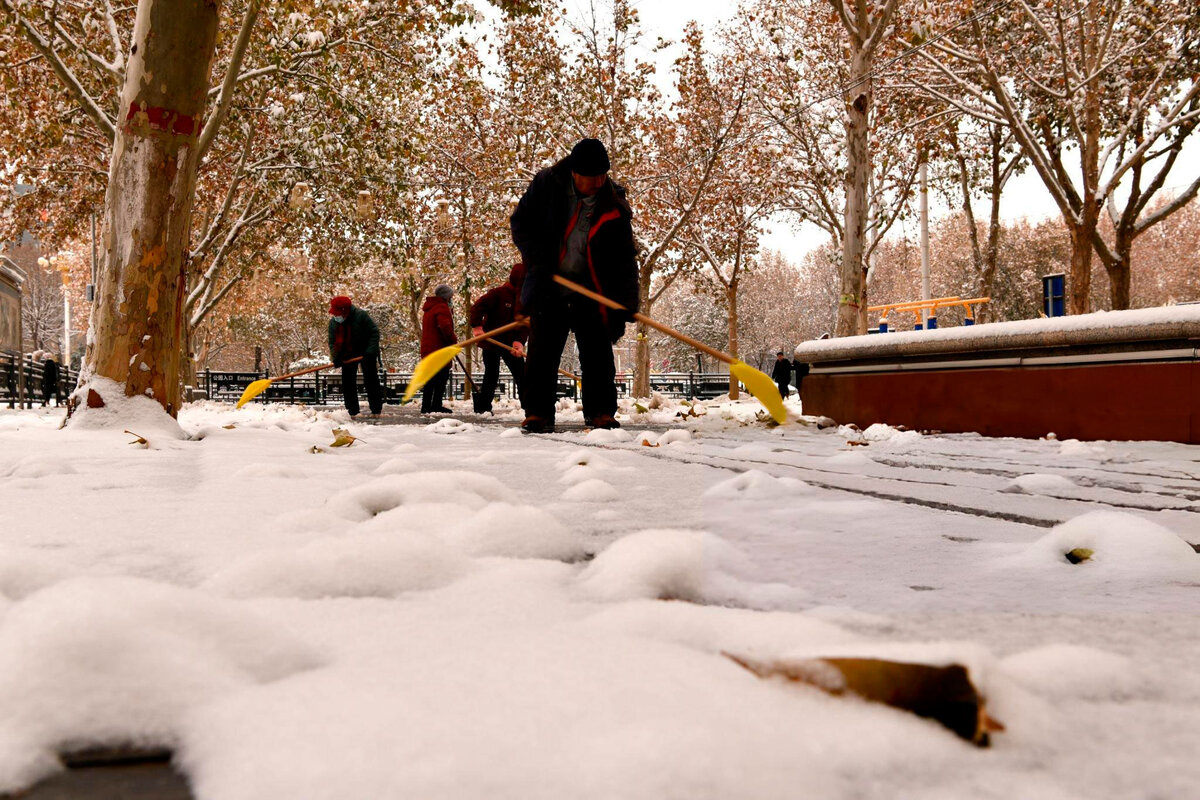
497	307
573	221
49	381
352	333
782	374
437	331
802	369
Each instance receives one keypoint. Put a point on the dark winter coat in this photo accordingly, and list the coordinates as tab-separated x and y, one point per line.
357	336
437	325
541	224
49	376
782	373
499	306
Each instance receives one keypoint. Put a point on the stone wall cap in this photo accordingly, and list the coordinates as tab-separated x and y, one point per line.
1103	327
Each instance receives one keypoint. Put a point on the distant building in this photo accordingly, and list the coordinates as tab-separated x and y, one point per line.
11	279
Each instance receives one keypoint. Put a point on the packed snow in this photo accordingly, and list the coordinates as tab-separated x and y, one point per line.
454	610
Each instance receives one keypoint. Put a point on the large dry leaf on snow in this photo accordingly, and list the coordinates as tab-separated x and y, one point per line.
342	438
943	693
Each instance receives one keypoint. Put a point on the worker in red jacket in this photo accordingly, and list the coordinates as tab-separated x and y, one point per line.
497	307
437	331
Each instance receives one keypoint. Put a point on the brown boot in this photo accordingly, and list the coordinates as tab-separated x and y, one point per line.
536	424
606	421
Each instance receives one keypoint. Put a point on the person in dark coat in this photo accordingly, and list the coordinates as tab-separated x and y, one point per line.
49	381
782	374
497	307
802	369
575	222
352	333
437	331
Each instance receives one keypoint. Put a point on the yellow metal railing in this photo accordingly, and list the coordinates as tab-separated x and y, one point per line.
932	305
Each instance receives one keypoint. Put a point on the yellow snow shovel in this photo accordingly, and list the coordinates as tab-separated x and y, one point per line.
758	383
433	363
258	387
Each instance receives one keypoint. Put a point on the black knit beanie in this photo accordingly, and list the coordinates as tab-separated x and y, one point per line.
589	158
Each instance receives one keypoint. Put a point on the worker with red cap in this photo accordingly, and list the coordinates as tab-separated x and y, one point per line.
353	334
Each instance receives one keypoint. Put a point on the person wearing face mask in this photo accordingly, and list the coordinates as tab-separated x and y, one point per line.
574	222
352	333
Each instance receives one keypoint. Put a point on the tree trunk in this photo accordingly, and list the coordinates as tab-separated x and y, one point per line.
1119	271
852	303
731	298
136	338
641	371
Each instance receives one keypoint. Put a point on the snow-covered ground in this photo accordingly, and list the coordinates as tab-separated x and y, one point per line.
459	611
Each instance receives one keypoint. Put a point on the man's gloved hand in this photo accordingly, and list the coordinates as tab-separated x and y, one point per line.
477	331
337	361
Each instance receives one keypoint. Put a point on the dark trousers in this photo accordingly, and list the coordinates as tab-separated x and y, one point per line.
370	381
547	336
492	355
434	393
783	389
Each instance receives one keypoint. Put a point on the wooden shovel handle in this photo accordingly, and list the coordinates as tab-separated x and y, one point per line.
514	352
317	368
658	326
489	334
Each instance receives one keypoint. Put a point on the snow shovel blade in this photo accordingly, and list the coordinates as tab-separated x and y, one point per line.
762	387
429	366
253	390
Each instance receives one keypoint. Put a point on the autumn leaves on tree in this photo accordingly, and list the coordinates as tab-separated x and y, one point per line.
281	151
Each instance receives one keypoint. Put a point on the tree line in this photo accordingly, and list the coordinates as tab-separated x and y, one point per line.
379	148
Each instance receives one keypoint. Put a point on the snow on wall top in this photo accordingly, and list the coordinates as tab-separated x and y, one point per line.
1168	322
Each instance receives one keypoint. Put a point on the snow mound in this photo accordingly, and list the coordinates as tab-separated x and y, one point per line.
668	564
673	436
1074	447
1066	670
141	414
1042	483
581	457
511	433
714	629
578	474
591	490
369	565
23	572
451	426
39	467
264	470
756	485
1122	545
502	529
106	661
607	436
393	466
391	491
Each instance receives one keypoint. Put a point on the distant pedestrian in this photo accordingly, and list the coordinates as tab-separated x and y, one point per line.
575	222
782	374
437	331
49	381
498	307
802	369
352	333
